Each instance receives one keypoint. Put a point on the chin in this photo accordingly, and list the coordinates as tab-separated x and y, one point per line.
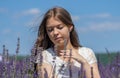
59	43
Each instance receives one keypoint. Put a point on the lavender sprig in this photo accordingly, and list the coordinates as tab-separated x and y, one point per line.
40	56
69	62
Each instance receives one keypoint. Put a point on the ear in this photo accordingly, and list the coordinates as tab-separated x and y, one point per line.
70	28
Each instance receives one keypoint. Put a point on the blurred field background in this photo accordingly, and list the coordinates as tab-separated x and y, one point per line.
22	66
97	23
104	57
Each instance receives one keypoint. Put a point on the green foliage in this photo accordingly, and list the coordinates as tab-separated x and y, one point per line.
106	58
19	57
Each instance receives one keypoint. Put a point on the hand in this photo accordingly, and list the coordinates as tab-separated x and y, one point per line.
73	55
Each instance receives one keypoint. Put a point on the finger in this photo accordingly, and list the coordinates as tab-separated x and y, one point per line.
65	50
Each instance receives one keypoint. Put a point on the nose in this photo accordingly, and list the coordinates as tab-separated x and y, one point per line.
55	31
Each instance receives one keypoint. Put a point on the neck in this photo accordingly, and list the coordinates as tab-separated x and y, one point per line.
64	47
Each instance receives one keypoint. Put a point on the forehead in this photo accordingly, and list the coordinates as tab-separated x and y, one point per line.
53	22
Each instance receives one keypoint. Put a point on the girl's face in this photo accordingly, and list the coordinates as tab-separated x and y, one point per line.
58	31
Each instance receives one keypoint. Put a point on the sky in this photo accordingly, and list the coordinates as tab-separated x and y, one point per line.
97	23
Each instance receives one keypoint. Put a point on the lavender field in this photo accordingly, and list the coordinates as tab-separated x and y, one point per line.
23	66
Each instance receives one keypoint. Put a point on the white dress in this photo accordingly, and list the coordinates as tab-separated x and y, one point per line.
63	72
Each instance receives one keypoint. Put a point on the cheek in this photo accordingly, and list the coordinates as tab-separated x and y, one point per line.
66	33
50	36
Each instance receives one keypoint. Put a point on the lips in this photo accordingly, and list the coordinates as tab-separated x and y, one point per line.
57	39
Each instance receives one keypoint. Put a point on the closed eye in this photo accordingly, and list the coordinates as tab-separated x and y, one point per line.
50	29
60	27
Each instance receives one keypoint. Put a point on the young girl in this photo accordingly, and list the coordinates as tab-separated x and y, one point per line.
62	55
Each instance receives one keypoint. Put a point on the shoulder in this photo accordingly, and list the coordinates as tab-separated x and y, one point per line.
85	50
88	54
46	55
48	51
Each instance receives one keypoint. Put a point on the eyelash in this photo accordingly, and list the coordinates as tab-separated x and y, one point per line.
51	29
60	27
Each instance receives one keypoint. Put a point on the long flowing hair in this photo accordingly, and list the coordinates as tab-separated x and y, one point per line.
63	15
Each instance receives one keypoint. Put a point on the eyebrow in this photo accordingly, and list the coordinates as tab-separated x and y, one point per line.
53	26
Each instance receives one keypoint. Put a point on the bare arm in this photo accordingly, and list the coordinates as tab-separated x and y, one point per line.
94	73
95	70
44	71
86	66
